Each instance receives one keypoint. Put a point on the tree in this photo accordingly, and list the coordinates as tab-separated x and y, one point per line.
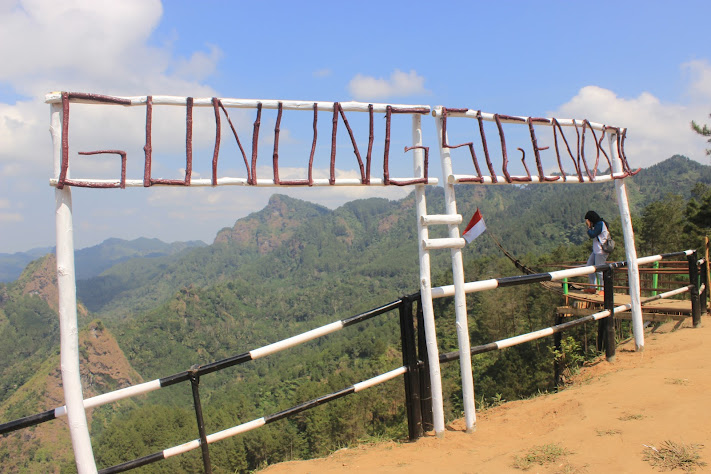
661	224
704	131
698	214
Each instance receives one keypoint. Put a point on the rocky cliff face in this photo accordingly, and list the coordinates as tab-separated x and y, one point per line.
40	279
47	447
267	229
104	367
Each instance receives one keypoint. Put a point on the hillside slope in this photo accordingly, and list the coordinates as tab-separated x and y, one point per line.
47	447
604	419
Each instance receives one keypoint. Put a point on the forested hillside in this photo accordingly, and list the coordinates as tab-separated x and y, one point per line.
294	266
30	379
12	264
290	233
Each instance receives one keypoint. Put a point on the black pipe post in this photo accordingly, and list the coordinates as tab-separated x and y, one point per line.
194	383
558	359
608	277
425	386
412	376
601	329
694	293
703	295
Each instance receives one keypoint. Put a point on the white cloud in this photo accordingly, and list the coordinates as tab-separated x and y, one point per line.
333	197
699	72
95	46
20	127
325	72
212	204
74	38
200	65
655	130
6	217
98	46
400	84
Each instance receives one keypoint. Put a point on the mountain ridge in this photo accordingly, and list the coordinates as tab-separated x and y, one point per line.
293	266
91	261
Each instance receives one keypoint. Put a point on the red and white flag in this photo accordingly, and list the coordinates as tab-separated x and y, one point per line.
475	228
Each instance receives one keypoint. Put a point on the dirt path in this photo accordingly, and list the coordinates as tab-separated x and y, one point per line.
604	419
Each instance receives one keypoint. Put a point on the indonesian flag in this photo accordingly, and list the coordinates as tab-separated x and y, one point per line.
475	228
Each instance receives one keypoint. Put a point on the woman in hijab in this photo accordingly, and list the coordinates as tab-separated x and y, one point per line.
597	230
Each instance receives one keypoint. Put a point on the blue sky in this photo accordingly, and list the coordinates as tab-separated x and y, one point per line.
640	65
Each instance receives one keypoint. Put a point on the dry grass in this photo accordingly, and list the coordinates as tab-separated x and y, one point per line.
671	455
608	432
541	455
630	416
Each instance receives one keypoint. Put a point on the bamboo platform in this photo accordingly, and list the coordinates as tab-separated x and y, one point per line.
658	306
583	304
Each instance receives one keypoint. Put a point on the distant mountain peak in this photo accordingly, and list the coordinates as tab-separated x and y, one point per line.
266	229
40	278
284	203
677	162
280	206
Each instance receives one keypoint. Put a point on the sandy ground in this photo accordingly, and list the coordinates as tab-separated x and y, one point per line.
604	419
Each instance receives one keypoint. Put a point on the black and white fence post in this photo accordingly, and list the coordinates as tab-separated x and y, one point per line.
694	280
557	360
609	303
703	295
425	388
195	384
412	376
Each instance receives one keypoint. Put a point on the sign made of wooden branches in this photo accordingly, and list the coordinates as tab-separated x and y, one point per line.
584	171
220	107
364	159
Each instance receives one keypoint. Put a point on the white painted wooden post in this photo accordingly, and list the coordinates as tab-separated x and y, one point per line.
630	250
426	283
68	327
460	297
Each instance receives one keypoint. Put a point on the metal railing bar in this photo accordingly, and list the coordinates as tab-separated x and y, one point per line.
515	340
250	425
483	285
203	369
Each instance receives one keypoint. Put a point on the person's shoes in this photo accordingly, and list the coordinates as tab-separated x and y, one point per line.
590	291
